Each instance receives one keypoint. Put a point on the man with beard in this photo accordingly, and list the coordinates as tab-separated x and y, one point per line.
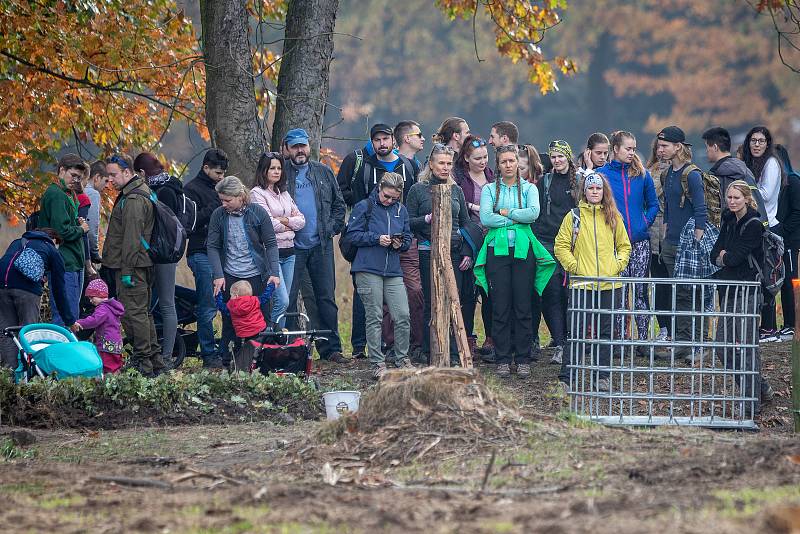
313	187
360	172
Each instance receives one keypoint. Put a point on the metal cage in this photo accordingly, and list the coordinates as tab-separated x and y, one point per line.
707	375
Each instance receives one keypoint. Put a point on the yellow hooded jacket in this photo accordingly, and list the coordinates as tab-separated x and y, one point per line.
594	253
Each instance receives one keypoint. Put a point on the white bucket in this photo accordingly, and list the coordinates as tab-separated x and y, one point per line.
338	403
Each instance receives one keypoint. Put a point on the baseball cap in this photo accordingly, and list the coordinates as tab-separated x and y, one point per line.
380	128
296	136
673	134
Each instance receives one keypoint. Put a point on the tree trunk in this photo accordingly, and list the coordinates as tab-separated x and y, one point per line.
305	70
230	89
442	225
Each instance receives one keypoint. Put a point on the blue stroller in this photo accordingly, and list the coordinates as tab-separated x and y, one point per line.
50	350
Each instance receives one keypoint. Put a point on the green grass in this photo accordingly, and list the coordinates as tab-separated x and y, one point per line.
747	502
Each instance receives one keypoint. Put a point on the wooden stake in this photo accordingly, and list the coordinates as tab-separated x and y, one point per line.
465	355
441	229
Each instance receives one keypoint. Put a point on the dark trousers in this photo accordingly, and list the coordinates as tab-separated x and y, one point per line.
138	321
17	308
425	275
511	284
358	333
318	262
787	293
243	351
592	326
486	311
552	304
663	297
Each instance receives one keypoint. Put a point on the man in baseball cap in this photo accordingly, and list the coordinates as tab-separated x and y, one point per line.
673	134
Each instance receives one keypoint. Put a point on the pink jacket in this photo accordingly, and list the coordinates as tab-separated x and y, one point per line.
280	206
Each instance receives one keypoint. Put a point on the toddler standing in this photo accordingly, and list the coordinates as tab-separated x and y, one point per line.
106	323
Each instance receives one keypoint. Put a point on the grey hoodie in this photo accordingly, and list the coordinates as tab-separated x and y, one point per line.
730	169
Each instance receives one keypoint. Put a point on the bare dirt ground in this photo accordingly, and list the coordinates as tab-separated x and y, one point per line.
560	475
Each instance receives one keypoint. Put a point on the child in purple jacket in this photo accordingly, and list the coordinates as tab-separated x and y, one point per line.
106	323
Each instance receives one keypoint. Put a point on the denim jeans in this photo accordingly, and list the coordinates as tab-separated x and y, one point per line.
281	295
205	308
73	287
318	262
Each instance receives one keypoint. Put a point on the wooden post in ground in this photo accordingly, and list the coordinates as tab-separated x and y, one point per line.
441	227
464	353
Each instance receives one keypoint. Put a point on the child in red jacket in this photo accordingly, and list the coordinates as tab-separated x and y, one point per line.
247	321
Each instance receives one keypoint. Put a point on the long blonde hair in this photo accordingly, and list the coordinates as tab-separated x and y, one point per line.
608	205
426	173
746	192
617	138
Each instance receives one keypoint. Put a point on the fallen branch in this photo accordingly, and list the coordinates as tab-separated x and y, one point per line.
488	471
133	482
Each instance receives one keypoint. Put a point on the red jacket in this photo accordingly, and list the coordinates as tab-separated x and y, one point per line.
246	316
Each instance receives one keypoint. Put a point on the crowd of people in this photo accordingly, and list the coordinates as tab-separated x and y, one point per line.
523	223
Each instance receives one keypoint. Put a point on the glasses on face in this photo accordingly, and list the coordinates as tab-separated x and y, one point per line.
75	176
758	141
118	161
418	134
477	143
389	198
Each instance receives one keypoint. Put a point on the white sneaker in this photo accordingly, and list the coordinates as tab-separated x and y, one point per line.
558	355
663	335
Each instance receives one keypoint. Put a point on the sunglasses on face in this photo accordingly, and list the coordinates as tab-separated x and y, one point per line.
418	134
439	147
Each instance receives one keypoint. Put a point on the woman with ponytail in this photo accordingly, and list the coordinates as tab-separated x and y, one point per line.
511	262
637	202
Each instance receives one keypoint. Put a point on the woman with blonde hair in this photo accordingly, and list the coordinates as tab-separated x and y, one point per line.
636	199
737	250
241	246
599	249
419	203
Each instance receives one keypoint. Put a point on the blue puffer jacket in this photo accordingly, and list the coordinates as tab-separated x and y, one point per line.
636	198
383	220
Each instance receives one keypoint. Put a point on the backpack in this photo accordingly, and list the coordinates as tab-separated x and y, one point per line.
407	170
711	191
188	214
28	263
346	245
771	271
168	241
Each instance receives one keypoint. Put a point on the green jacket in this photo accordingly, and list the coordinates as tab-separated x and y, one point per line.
58	209
131	220
524	241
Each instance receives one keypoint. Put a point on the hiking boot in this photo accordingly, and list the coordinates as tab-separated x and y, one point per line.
405	363
359	353
663	336
419	356
558	355
765	335
337	357
378	371
488	347
523	370
603	384
503	370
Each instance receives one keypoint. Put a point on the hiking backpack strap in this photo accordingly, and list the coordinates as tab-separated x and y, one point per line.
685	182
576	227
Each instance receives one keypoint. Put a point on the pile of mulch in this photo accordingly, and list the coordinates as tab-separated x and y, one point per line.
412	415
